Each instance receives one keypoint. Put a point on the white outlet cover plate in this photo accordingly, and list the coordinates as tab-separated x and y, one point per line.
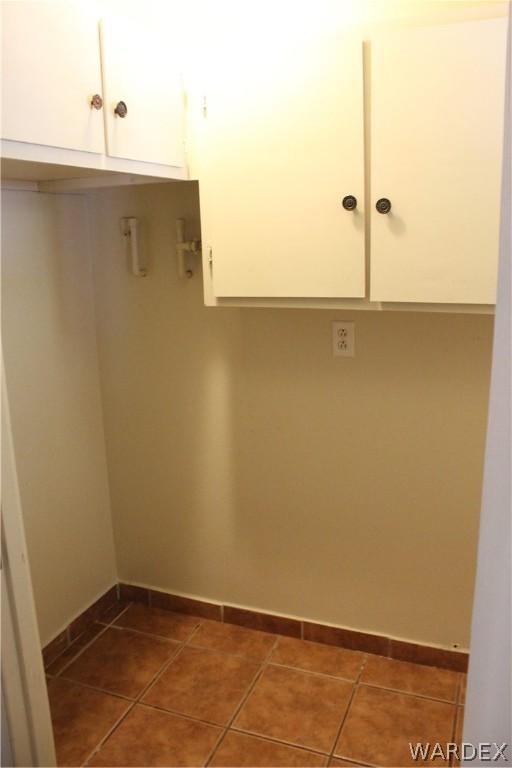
343	339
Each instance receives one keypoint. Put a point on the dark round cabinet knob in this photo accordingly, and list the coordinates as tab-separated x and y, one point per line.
383	205
121	109
349	202
96	101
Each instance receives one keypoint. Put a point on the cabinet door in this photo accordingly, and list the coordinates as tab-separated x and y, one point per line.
437	108
50	72
280	144
140	69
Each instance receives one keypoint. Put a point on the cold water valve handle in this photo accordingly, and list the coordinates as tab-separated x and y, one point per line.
186	250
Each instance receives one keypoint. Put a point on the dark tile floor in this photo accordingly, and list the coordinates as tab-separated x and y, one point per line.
154	688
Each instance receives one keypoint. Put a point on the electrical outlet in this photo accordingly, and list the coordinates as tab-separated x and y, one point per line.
343	339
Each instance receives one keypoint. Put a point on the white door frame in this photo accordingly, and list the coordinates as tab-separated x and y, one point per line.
488	713
24	692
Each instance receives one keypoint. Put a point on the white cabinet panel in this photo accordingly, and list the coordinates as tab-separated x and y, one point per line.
278	147
437	97
141	68
50	71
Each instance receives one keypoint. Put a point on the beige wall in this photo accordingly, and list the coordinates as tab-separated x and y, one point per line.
50	352
248	465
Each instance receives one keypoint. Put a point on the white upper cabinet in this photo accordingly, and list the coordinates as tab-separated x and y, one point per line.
281	140
279	145
50	73
142	84
61	89
437	105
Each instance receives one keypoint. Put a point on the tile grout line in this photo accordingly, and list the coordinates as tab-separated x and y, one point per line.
83	648
280	742
407	693
108	733
119	627
213	750
177	713
243	700
226	728
95	688
311	672
349	705
179	650
459	689
456	716
138	699
225	653
454	724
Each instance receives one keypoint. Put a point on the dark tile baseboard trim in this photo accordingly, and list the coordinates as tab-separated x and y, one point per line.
265	622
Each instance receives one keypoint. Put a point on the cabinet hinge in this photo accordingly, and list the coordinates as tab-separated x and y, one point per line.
210	255
205	107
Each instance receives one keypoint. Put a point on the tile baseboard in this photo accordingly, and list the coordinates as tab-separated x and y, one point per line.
188	605
55	647
346	638
133	594
265	622
429	655
284	625
91	614
78	626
